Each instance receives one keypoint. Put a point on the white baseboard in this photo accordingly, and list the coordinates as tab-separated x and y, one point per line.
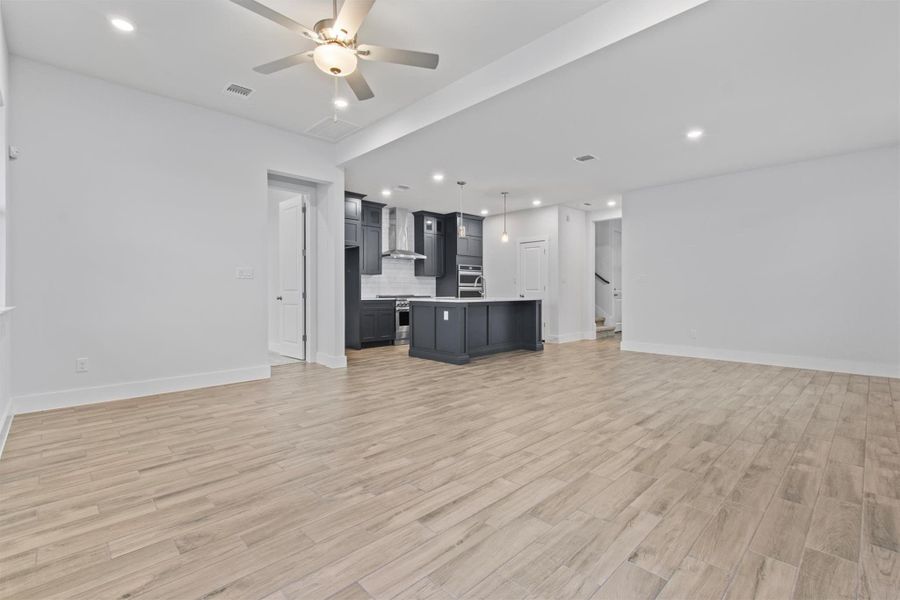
564	338
762	358
135	389
4	429
331	361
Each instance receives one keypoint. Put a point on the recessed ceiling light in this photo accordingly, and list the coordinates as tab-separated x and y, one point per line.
484	211
386	192
438	176
121	24
536	201
341	103
694	134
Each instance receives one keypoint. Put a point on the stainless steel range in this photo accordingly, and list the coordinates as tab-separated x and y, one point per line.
401	315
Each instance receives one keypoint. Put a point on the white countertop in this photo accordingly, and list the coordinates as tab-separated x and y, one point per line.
452	300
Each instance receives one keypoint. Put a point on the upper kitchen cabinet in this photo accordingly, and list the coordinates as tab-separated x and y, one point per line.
429	240
362	228
370	238
352	219
470	247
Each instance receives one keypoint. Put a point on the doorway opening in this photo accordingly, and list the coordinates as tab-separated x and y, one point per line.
608	276
288	202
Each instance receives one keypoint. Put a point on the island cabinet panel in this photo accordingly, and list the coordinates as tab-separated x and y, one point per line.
450	330
422	324
454	331
477	329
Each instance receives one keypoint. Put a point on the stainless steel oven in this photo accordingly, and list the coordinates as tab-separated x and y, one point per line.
469	275
470	281
401	321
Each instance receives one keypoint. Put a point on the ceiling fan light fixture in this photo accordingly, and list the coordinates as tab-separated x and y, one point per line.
335	59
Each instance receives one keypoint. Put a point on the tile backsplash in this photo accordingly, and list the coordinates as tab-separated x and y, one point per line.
397	277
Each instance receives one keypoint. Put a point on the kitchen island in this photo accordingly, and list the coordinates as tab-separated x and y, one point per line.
453	330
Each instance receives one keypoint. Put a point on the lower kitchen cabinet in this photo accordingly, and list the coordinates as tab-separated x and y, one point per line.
376	321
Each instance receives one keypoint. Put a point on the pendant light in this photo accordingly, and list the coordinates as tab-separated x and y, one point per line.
460	224
505	236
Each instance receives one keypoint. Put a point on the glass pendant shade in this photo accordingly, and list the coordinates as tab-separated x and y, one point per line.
335	59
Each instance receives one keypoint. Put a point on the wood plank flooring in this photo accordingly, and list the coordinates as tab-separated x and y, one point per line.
579	472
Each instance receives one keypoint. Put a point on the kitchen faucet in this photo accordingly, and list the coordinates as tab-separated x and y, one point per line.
480	279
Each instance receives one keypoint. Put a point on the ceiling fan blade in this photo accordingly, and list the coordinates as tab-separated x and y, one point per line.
426	60
284	63
352	15
264	11
358	84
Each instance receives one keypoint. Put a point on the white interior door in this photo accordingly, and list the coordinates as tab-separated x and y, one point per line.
291	299
531	279
617	278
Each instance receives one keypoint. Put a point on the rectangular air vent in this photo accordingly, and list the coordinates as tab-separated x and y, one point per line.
234	89
403	187
585	157
332	130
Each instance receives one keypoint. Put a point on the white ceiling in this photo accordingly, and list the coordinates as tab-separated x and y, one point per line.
191	49
769	81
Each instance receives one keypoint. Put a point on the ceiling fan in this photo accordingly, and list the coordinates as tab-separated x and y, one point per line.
337	48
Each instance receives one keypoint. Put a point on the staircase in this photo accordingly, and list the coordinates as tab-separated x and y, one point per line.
604	330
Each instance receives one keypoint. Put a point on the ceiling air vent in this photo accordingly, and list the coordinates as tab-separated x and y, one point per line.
403	187
332	130
585	157
234	89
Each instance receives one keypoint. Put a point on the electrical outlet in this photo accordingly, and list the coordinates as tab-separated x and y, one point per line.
81	365
244	273
693	334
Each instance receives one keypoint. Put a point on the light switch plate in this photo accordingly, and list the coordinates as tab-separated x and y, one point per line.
446	315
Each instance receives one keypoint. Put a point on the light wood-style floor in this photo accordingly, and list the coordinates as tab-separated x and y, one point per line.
579	472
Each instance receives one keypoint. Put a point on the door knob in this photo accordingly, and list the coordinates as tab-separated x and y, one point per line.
278	297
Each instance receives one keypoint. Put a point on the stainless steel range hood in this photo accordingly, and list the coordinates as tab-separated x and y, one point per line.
400	235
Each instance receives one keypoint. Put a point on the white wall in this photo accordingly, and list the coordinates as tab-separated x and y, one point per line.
5	316
567	307
132	212
795	265
575	310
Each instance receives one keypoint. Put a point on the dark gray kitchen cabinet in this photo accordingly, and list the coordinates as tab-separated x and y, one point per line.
429	240
470	245
371	213
376	321
352	208
370	250
474	226
352	233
